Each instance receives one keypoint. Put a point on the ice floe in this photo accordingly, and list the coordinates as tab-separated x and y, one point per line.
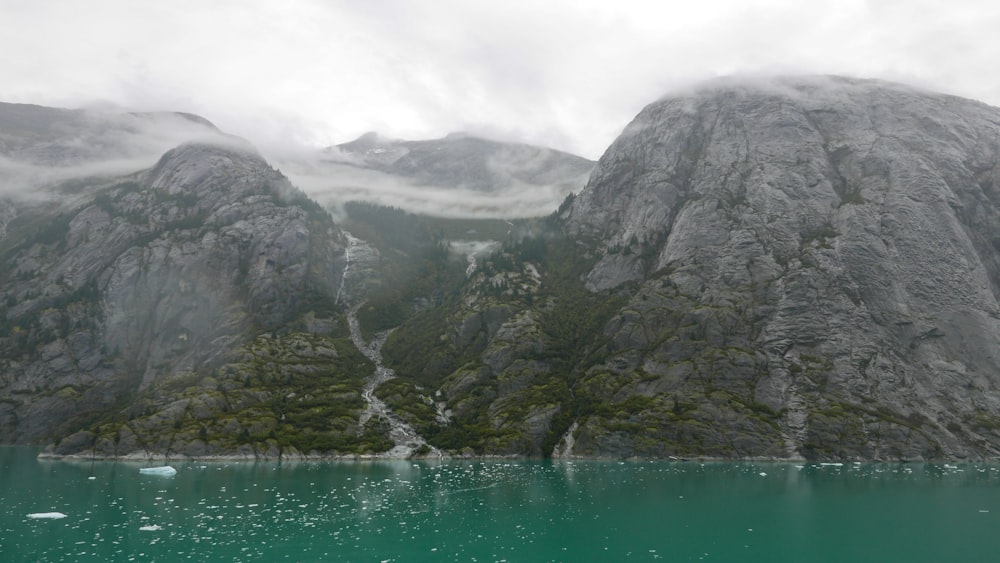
46	515
165	471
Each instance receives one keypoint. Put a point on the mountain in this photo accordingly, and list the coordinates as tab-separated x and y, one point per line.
787	268
459	175
112	286
464	161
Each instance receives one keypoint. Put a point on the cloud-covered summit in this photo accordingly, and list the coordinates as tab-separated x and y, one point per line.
459	175
40	146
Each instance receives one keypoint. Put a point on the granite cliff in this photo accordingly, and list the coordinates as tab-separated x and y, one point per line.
817	265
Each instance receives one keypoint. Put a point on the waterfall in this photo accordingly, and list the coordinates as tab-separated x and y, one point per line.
351	241
406	439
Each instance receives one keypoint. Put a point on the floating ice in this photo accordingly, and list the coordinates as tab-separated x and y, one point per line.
150	528
165	471
47	515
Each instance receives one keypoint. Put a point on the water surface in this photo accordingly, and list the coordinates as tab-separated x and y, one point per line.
498	511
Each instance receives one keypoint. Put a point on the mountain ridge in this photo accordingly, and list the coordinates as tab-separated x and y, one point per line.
462	160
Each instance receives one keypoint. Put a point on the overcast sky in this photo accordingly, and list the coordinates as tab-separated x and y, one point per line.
567	73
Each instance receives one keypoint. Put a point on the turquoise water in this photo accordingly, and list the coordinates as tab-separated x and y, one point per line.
497	511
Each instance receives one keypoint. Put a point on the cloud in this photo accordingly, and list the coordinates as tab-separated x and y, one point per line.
568	74
334	184
43	147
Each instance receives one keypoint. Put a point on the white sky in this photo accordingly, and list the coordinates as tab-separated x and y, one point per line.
563	73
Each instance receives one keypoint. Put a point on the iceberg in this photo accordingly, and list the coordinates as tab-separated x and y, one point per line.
47	515
165	471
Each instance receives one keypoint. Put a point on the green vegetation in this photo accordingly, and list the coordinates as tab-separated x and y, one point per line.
415	263
438	347
294	392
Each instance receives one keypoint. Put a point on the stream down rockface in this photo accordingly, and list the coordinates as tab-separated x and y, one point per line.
405	438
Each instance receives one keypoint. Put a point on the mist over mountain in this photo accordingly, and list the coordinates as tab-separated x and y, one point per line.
459	175
40	146
461	160
784	268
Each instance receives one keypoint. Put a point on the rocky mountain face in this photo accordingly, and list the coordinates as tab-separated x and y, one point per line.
111	286
817	265
789	268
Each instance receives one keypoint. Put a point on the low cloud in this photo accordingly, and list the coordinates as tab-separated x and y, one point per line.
334	184
563	74
41	148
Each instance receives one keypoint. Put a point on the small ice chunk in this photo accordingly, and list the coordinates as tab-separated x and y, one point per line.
91	478
762	474
165	471
150	528
47	515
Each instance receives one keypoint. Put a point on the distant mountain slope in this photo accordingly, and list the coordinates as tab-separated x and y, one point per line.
456	176
464	161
